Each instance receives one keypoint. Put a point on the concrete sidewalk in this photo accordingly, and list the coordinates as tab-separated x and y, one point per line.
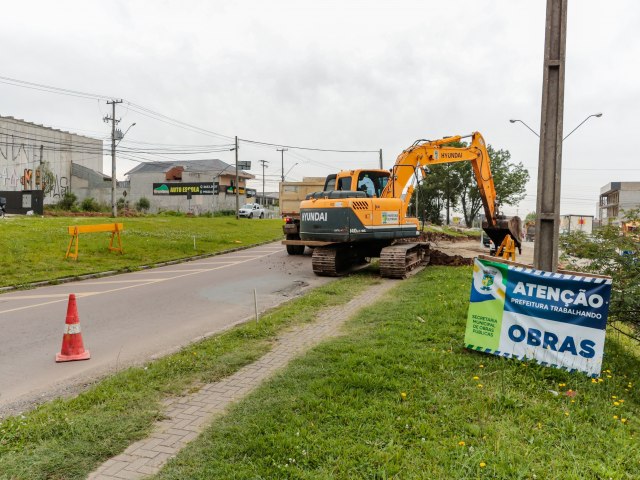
188	416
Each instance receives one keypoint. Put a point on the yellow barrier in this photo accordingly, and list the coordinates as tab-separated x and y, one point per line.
507	249
114	228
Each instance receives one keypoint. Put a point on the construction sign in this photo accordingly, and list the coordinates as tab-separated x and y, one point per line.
556	319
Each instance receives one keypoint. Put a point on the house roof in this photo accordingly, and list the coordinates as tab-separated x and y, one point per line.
213	167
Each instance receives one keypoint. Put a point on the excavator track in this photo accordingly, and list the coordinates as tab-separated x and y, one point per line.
396	261
336	260
328	261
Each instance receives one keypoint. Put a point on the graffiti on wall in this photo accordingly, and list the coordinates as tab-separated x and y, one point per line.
26	165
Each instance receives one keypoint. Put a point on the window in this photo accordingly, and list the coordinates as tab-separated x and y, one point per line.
344	183
372	183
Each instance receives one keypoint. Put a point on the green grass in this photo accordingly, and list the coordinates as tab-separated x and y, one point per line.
69	438
453	232
339	412
34	247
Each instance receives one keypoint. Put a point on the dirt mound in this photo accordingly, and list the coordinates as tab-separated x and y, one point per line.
441	258
460	236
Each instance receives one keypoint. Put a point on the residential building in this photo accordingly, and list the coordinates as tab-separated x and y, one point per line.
188	185
615	198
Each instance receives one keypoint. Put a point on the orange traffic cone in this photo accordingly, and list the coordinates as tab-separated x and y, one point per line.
72	347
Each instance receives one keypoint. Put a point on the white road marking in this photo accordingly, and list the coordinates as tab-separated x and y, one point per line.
217	263
106	282
57	295
143	283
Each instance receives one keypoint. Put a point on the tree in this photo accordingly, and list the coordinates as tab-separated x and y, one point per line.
451	185
530	218
510	180
431	201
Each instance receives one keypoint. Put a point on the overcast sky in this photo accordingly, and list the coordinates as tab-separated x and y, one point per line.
345	74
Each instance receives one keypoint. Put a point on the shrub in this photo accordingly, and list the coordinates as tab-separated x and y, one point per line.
143	204
122	204
68	201
89	204
610	252
225	213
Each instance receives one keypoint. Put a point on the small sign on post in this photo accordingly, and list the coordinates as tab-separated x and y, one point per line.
244	165
556	319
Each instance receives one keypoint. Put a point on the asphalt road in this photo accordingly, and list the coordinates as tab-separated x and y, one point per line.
131	318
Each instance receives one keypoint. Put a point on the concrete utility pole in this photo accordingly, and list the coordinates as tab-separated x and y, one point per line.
264	165
282	150
114	206
381	159
237	184
545	253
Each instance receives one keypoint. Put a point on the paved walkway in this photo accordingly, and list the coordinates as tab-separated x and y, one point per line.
188	416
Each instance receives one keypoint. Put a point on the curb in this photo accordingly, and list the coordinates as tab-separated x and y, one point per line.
110	273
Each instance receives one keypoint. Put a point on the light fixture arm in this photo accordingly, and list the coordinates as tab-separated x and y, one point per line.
532	130
592	115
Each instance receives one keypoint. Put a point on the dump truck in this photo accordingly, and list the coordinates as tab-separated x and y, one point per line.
291	194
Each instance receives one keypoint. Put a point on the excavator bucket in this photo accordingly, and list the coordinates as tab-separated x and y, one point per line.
505	226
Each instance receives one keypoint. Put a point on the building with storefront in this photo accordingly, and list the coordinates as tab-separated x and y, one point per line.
196	186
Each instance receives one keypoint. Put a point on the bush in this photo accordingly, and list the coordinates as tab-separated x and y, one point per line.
122	204
143	204
608	252
68	201
225	213
171	213
89	204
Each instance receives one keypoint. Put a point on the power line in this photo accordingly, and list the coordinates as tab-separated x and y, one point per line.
48	88
306	148
161	117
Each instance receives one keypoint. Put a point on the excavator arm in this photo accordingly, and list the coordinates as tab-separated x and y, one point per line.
421	155
426	152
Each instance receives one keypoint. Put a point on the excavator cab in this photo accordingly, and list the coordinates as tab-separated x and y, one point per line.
371	182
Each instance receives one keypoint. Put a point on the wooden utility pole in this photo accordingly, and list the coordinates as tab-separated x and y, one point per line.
237	184
545	254
114	205
381	159
282	150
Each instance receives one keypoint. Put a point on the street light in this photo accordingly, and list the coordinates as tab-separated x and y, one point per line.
217	177
114	181
125	133
592	115
580	124
534	132
285	175
264	165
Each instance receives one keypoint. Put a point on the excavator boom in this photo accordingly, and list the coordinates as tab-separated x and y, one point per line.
424	153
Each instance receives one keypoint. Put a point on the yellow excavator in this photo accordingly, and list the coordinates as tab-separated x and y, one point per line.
362	214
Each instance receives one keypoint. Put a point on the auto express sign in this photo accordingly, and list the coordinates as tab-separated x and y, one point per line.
183	189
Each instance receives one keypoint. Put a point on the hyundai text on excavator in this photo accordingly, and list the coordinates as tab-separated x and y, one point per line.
362	214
